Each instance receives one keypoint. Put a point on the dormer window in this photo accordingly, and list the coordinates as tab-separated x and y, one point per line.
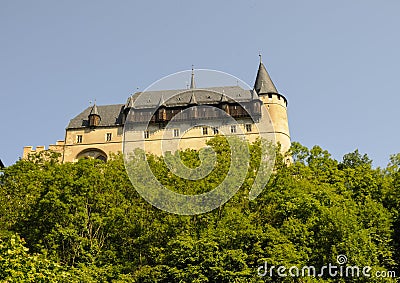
94	117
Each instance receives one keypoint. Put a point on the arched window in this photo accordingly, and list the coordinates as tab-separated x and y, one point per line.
92	153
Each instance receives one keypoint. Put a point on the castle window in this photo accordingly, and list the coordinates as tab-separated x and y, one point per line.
215	130
102	158
205	131
108	136
248	127
176	133
270	96
146	134
78	138
233	129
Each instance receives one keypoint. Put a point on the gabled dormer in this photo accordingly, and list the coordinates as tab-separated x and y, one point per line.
94	117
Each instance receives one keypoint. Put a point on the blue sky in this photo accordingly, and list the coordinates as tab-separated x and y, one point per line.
337	62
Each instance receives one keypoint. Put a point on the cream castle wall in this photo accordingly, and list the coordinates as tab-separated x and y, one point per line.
95	138
277	109
92	138
162	140
58	147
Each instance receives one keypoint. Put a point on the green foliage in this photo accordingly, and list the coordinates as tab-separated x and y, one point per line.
17	265
84	222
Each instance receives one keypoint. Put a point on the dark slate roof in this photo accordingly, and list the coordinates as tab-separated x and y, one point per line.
181	97
1	164
110	115
263	83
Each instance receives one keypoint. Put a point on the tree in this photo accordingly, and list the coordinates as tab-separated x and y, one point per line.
17	265
85	221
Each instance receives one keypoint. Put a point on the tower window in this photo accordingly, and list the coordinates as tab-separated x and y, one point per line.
248	127
146	134
205	131
108	136
176	133
215	130
78	138
233	129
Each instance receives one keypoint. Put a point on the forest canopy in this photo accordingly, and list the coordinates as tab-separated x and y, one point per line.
85	222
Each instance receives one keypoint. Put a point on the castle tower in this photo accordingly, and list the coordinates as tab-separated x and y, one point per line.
94	117
276	105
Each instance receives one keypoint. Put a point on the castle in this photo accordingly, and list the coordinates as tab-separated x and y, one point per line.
99	129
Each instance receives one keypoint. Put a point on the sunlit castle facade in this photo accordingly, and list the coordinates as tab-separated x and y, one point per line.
165	120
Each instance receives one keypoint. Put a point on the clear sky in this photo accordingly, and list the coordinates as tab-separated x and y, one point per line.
337	62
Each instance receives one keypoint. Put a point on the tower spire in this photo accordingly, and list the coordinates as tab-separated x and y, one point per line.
263	83
192	82
94	110
94	116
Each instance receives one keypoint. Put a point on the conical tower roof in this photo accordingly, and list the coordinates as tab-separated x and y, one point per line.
263	83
